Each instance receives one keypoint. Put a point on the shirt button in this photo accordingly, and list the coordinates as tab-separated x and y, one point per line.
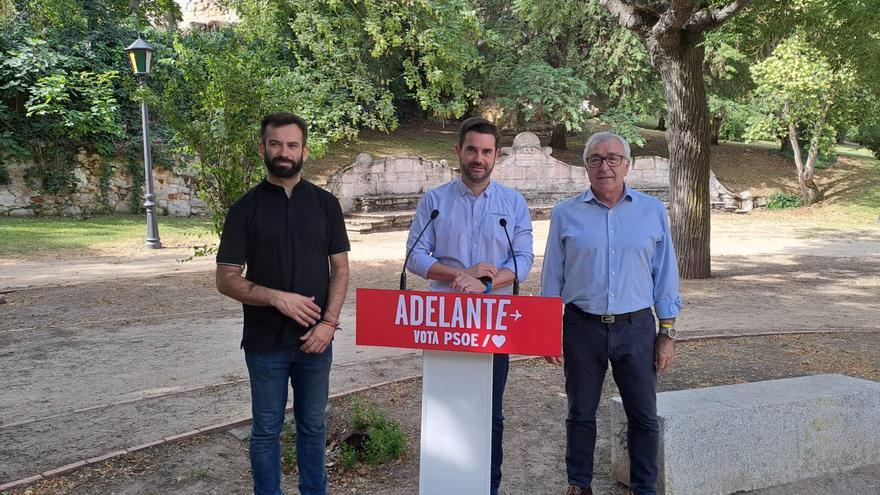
612	295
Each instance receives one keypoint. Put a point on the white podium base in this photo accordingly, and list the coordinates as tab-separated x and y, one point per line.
456	450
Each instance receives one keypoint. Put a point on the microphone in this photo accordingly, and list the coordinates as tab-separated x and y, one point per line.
434	214
503	223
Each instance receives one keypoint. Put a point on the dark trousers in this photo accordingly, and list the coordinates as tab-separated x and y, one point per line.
588	346
500	366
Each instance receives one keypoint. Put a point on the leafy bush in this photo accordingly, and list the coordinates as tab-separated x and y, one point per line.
869	137
781	200
384	439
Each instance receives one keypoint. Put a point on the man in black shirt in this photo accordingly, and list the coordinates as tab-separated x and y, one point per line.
291	236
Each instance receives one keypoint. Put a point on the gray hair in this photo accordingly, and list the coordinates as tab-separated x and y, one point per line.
601	137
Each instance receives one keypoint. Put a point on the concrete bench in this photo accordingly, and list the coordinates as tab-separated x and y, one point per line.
719	440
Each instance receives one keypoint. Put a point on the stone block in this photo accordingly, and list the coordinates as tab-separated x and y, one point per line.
720	440
643	163
178	208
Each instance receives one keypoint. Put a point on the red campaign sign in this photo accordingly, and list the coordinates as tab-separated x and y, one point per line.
451	321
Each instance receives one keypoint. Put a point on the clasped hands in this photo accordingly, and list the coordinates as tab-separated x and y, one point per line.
303	310
468	280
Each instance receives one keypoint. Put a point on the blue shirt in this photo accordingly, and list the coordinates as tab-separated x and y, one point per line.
612	260
468	231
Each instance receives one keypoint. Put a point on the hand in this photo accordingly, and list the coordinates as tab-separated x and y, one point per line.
554	360
318	338
301	309
467	283
664	350
482	269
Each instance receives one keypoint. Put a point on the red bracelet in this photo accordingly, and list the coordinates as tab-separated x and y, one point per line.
334	325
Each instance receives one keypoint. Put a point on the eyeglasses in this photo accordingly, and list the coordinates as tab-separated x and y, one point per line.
595	161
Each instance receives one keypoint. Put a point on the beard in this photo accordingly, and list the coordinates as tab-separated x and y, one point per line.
282	172
475	176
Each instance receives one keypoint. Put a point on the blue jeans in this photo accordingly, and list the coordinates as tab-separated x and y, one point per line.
309	375
500	366
588	346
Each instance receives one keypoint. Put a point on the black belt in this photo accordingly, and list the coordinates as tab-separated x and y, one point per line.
606	318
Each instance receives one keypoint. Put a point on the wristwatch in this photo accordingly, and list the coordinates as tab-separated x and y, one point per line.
487	281
667	330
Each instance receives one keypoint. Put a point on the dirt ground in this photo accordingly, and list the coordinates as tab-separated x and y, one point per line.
100	354
535	407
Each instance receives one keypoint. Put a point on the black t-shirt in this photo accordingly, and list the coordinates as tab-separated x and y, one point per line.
285	244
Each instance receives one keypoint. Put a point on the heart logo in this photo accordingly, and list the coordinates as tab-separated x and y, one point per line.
499	340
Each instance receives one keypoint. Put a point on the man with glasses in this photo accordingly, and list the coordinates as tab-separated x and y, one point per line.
610	257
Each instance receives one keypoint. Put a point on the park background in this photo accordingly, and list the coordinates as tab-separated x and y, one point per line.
94	322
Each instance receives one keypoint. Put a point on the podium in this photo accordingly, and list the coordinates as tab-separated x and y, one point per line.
459	334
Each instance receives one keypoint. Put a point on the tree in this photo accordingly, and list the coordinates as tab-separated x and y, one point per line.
342	66
808	99
673	32
573	55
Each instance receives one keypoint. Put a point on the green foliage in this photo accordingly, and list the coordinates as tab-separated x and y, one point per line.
385	440
536	89
780	200
735	117
824	159
419	49
868	135
348	457
561	60
288	448
61	82
798	86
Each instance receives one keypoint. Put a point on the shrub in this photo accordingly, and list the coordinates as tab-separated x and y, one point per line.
383	440
780	200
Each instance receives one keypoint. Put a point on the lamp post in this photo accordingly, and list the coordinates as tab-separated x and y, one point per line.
140	54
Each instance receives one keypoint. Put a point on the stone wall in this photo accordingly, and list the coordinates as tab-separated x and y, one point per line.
394	183
175	194
397	183
204	13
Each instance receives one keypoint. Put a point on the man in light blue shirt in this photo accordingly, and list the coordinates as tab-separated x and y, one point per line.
465	249
610	257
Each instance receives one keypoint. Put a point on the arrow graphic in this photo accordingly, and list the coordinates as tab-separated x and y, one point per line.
516	316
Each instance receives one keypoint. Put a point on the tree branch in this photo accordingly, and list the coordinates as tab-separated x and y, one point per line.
712	17
676	16
631	16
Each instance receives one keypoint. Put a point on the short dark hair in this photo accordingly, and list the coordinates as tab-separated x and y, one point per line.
281	119
479	125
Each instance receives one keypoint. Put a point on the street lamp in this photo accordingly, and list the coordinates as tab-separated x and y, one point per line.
140	54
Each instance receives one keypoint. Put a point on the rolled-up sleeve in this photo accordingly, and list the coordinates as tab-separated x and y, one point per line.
553	270
522	243
422	254
664	271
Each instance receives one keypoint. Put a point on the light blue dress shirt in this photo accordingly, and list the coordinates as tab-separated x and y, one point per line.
612	260
468	231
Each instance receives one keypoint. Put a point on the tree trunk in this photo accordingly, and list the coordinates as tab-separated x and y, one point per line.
678	56
716	128
809	190
798	161
557	137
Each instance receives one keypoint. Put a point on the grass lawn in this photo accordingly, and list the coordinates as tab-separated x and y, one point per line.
101	234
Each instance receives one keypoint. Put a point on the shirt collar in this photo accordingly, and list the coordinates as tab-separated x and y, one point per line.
268	186
463	189
588	196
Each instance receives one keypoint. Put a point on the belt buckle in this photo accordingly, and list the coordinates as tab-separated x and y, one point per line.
607	318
